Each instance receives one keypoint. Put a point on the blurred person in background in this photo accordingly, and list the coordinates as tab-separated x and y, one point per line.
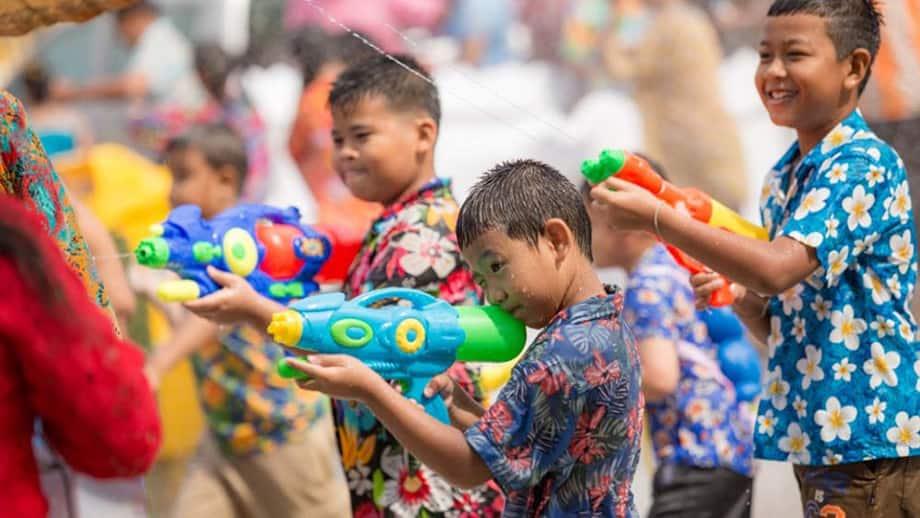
322	57
381	20
891	102
674	71
225	103
160	68
481	27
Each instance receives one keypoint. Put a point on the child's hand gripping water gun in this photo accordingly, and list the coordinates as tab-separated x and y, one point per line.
697	204
267	246
409	344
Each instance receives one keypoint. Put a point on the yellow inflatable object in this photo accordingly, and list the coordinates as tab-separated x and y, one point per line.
129	193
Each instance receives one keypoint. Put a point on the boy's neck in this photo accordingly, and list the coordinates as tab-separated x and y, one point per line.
425	175
809	138
584	285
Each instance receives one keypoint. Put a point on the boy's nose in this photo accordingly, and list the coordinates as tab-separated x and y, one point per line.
776	68
495	296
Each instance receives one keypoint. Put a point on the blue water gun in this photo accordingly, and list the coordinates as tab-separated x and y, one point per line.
738	358
404	335
267	246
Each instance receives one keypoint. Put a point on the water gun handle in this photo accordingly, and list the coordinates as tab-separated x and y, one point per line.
413	388
434	406
419	299
719	298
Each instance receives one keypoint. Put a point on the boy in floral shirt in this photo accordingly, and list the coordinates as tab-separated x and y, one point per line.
562	439
385	126
830	292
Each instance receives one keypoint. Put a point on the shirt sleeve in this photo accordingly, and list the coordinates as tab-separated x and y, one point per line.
527	432
85	383
842	212
649	306
29	176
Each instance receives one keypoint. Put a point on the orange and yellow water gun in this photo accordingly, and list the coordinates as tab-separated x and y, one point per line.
693	202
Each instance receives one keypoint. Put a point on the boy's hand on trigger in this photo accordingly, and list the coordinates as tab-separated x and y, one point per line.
706	283
628	206
236	303
443	385
338	375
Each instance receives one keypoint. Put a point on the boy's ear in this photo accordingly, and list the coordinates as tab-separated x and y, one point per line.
427	134
860	60
559	237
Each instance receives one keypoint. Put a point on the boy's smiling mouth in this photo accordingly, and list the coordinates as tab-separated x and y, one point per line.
780	95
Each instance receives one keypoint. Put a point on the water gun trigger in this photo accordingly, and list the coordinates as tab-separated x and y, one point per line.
719	298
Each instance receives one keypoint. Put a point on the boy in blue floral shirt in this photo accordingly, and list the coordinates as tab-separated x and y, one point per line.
702	433
562	439
829	294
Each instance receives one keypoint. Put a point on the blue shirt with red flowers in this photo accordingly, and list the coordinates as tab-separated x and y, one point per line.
562	439
702	423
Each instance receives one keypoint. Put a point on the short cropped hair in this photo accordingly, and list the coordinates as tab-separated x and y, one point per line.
404	84
851	24
517	198
218	143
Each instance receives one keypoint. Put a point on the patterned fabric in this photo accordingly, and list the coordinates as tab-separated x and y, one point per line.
844	376
250	409
563	436
702	424
411	245
156	126
27	174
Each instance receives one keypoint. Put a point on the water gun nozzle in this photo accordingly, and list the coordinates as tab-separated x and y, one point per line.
286	328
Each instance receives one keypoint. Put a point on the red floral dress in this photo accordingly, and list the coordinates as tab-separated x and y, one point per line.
412	244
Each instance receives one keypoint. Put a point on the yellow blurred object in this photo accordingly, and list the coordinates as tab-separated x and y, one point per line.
129	193
178	291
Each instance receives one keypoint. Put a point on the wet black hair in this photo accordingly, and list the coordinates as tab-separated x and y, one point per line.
517	197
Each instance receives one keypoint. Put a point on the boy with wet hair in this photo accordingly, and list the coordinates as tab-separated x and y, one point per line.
562	438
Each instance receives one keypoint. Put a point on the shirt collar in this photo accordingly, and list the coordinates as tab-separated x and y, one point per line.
429	191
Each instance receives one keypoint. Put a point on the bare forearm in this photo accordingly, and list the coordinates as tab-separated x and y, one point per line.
440	447
191	335
751	309
768	267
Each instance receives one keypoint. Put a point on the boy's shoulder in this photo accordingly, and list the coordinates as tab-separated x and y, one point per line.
850	142
433	206
583	335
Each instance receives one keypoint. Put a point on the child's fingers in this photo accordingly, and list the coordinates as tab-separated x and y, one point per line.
225	279
603	195
437	385
208	304
616	184
704	278
327	360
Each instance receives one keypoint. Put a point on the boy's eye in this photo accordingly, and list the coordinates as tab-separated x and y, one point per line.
496	267
337	141
361	137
